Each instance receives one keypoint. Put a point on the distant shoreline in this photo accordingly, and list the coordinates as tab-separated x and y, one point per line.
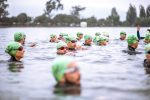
66	27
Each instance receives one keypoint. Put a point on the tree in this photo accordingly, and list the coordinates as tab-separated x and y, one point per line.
92	21
101	22
29	19
131	15
148	11
13	19
76	9
142	12
52	5
3	11
41	20
65	20
22	18
114	18
143	22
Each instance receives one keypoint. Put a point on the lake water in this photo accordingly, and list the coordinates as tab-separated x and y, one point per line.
107	72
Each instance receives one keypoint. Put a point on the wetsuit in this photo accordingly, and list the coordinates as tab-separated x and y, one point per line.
51	41
138	35
86	44
131	51
146	63
67	89
72	49
13	59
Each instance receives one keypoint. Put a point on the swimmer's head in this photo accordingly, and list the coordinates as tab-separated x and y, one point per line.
131	39
88	39
102	41
122	35
62	47
15	49
52	35
71	42
79	33
147	37
97	34
19	37
65	70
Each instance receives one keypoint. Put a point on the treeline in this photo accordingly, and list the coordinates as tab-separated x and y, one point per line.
73	19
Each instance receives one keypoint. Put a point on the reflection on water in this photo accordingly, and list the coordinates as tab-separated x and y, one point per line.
107	72
67	90
147	70
15	66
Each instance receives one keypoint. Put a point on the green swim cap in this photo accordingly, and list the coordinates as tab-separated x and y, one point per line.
52	35
147	48
70	38
97	34
79	33
96	38
63	34
147	32
122	33
87	36
147	37
131	39
19	36
65	37
61	44
101	39
12	48
59	67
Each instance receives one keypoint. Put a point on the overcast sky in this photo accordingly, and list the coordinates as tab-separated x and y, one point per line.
97	8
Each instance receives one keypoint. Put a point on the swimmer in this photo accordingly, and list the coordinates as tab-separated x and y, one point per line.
96	38
62	36
147	37
15	50
102	41
147	54
71	42
138	33
106	35
53	38
19	37
79	36
65	71
87	40
132	41
122	35
62	48
97	34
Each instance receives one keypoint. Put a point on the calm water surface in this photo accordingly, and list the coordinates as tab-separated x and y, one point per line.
107	72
